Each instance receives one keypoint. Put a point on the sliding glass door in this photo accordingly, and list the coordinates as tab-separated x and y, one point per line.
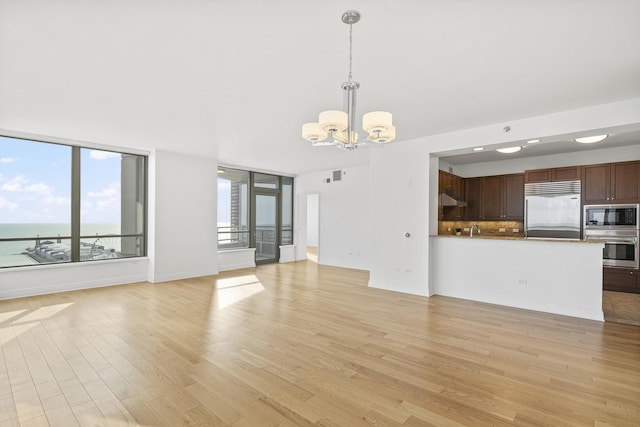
266	217
266	227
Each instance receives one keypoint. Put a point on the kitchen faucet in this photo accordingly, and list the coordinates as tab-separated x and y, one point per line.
471	229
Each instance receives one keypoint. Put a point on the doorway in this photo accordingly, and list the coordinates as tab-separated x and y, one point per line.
313	226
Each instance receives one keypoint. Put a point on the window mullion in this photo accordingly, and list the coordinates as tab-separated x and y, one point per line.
75	204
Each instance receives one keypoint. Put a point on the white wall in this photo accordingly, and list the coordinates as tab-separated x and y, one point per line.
399	205
345	225
46	279
233	259
555	277
313	218
182	216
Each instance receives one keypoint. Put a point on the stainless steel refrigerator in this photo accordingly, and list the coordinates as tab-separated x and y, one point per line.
552	210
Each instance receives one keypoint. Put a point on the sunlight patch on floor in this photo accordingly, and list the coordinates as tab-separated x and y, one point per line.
21	324
10	314
236	281
235	289
42	313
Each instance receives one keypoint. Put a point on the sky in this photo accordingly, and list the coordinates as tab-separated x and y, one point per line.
35	183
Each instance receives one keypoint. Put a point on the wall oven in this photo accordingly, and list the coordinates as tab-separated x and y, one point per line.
620	247
617	226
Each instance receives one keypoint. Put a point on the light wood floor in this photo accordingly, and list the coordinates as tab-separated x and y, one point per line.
301	344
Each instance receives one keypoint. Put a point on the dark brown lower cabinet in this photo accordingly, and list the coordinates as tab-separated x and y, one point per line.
620	279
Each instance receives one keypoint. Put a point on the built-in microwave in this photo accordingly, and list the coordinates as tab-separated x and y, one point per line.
611	217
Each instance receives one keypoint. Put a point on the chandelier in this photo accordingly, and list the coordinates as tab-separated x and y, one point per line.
337	128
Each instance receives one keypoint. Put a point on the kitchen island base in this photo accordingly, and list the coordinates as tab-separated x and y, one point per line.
560	277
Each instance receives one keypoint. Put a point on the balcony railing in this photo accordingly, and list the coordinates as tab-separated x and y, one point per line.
20	251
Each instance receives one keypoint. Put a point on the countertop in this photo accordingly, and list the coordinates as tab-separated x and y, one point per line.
494	237
480	236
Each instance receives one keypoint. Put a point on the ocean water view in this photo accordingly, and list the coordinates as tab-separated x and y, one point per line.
12	253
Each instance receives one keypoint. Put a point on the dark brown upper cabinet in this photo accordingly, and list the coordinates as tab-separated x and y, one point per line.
499	197
472	194
514	197
611	183
569	173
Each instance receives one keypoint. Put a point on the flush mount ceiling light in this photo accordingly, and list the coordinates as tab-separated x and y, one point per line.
509	150
590	139
335	127
533	141
478	149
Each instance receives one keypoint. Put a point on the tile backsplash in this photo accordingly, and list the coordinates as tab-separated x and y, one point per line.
488	228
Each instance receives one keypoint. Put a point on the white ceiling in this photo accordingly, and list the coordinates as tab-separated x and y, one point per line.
235	80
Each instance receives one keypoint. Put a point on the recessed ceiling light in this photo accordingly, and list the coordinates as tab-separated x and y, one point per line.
509	150
590	139
478	149
533	141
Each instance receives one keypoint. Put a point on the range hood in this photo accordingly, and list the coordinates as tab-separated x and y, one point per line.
446	200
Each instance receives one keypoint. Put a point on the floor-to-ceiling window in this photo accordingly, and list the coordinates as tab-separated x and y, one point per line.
254	210
62	203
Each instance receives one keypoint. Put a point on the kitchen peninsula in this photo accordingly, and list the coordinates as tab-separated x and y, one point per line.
554	200
554	276
499	266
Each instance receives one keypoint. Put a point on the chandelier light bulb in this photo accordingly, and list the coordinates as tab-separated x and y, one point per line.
333	120
377	121
313	132
384	136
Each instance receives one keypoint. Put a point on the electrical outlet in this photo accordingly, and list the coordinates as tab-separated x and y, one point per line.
516	230
466	229
501	230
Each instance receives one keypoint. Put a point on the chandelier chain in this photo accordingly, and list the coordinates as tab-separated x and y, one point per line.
350	51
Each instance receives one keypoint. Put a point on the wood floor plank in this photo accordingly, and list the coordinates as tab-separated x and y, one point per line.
141	412
301	344
59	412
8	412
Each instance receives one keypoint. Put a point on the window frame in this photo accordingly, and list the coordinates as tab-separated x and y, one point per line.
76	197
247	232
